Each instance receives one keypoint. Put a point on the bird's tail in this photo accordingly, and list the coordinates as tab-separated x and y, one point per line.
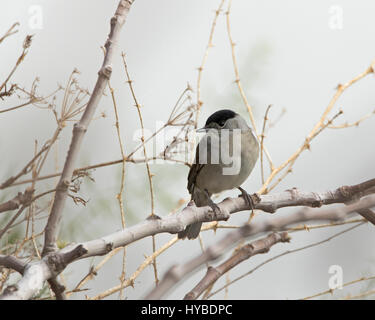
191	231
201	199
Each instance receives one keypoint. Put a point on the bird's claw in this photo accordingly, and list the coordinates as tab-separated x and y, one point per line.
215	208
247	197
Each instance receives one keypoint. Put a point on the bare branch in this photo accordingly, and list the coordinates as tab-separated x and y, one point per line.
321	124
311	245
204	59
36	273
368	214
178	272
18	200
12	262
245	252
80	128
26	169
57	261
26	45
10	31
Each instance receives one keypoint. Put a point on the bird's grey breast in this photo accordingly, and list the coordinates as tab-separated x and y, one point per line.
223	171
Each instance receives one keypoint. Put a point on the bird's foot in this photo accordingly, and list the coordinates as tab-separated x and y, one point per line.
215	208
247	197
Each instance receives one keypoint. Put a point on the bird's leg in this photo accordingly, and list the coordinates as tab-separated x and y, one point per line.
248	199
215	208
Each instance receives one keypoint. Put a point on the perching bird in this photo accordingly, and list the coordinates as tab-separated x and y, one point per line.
223	161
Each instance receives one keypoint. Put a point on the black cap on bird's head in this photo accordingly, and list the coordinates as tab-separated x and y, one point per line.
218	119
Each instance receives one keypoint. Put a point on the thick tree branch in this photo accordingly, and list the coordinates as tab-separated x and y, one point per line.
57	288
279	223
368	214
17	201
57	261
36	273
190	214
14	263
244	253
80	128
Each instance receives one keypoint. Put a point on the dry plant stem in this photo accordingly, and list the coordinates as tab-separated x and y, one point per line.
17	107
245	252
319	125
262	136
353	124
128	158
14	218
238	81
94	270
307	145
17	201
283	254
205	56
130	281
360	295
52	228
120	194
25	170
100	165
138	106
149	174
236	72
344	285
26	45
11	223
226	294
10	32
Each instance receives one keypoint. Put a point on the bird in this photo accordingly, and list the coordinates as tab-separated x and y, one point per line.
211	172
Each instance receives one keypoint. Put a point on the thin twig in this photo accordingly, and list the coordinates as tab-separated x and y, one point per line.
80	128
10	31
204	59
245	252
318	126
119	196
149	174
314	244
262	136
344	285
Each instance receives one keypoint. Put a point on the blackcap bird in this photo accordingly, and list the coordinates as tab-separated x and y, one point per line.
225	157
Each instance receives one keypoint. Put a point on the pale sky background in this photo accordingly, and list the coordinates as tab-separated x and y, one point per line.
289	56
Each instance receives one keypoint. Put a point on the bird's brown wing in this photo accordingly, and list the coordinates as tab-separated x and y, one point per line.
194	171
